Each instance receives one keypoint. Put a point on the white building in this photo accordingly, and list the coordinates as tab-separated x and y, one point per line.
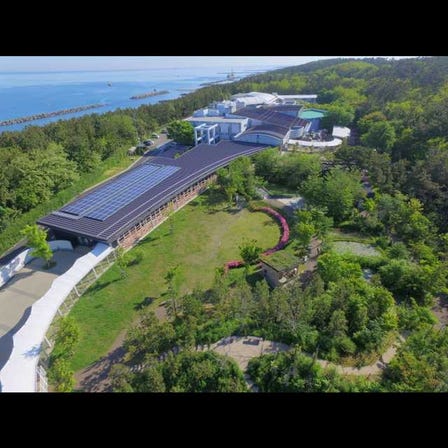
253	99
340	132
292	99
226	128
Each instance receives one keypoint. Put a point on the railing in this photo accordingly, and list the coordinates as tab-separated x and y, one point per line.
24	370
17	263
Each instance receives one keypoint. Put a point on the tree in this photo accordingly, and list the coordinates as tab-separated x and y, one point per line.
123	260
120	377
407	280
317	217
37	240
61	375
337	192
181	132
333	267
305	232
67	337
381	135
294	371
337	114
149	337
150	380
250	252
421	363
238	177
369	119
191	372
172	291
59	372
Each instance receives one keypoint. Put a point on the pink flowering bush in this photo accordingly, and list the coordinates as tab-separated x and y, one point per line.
284	238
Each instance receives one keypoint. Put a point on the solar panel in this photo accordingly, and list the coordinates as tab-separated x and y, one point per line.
107	200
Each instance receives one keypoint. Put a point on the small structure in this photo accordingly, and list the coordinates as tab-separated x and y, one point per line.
280	267
293	99
314	116
205	133
341	132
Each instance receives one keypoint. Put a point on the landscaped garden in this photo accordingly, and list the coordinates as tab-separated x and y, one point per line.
199	238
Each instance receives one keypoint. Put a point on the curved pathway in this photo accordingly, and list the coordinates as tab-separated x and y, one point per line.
243	349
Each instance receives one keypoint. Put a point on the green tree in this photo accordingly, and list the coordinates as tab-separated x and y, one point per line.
369	119
337	115
337	192
421	363
149	337
172	290
186	372
381	135
37	240
120	377
238	177
296	372
181	132
305	232
333	267
61	376
59	373
123	261
317	217
67	337
250	252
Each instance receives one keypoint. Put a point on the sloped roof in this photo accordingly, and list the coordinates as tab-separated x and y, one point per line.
270	116
194	165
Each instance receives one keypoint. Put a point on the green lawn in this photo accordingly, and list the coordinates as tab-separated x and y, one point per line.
339	235
355	248
281	190
204	236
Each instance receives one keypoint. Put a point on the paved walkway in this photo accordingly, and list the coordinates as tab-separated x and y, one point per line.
243	349
372	369
25	288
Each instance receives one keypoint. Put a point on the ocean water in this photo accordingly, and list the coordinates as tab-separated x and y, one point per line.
27	93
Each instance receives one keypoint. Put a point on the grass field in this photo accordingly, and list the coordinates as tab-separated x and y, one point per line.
355	248
199	238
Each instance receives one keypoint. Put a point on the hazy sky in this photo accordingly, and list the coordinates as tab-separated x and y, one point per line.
66	63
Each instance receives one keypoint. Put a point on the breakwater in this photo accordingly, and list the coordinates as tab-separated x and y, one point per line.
148	94
71	110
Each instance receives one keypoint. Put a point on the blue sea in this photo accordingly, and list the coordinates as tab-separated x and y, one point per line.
27	93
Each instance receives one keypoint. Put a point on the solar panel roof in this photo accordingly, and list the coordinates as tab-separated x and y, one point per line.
193	166
108	199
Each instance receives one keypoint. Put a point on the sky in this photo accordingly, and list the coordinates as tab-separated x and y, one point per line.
75	63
